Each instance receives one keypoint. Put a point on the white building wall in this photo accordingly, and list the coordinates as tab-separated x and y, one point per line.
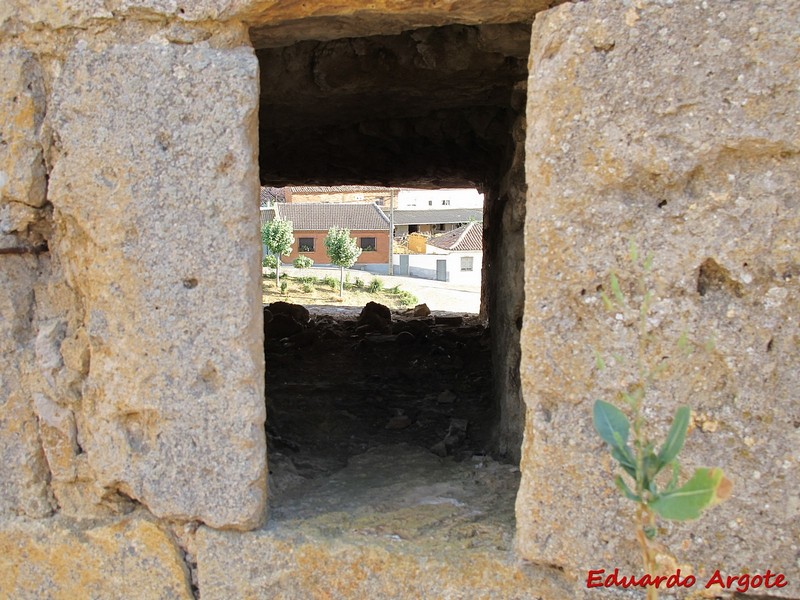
432	199
424	266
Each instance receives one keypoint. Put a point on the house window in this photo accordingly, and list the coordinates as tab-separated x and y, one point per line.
445	202
369	244
306	244
466	263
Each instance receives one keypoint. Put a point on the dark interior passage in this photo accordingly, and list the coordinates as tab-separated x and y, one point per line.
339	388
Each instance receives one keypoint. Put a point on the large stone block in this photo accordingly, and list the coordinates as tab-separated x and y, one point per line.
57	558
155	191
22	170
677	126
23	469
22	103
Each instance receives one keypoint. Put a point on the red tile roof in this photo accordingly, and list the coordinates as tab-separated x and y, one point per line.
321	217
433	216
337	189
467	238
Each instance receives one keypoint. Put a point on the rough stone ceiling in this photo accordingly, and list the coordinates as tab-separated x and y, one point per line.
282	23
428	107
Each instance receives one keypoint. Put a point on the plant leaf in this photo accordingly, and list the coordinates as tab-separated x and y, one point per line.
625	458
651	467
616	290
611	424
599	363
626	491
633	251
675	438
648	261
645	307
607	302
706	488
683	342
673	482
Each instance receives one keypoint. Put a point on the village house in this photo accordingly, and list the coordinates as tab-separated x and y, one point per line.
433	221
455	256
311	221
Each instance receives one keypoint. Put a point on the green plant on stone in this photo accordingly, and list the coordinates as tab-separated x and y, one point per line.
650	477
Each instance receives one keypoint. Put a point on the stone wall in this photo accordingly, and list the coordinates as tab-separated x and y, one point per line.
131	381
503	301
676	126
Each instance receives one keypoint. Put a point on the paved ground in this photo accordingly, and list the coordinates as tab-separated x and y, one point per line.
438	295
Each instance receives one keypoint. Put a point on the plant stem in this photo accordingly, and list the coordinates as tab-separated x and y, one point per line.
644	519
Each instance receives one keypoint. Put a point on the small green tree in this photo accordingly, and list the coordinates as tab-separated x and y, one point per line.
342	250
277	236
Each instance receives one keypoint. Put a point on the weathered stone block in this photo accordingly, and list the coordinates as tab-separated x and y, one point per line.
23	469
57	558
155	190
677	126
22	104
397	522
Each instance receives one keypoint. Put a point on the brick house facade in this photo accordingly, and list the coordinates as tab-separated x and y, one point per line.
311	221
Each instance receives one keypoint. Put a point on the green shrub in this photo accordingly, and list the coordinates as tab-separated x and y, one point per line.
375	286
284	287
358	283
330	282
308	288
269	261
406	298
302	262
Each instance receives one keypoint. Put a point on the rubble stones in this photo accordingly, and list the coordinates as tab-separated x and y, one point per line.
297	311
421	310
375	317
